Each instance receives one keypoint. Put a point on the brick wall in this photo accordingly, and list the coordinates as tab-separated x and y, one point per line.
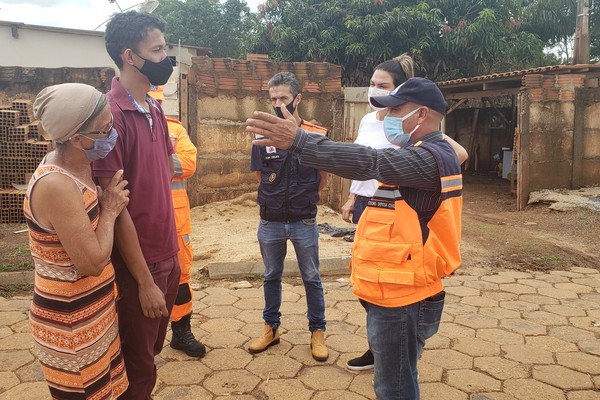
560	131
22	145
224	93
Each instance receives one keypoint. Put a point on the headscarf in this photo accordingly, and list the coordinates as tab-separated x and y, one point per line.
64	108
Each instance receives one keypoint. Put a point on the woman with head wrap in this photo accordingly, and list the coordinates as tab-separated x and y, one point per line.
73	316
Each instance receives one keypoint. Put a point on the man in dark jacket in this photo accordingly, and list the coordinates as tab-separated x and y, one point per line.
288	194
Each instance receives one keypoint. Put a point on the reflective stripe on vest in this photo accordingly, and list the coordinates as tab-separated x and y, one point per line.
451	183
178	168
178	185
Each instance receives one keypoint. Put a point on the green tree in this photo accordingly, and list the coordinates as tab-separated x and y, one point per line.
595	31
553	21
479	37
207	23
447	38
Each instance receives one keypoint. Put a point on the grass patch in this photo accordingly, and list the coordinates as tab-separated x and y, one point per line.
21	251
486	228
9	291
554	258
18	266
17	259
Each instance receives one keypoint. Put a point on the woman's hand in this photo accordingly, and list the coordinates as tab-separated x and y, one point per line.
348	208
114	197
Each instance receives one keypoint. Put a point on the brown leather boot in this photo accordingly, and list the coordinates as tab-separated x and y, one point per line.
269	337
318	347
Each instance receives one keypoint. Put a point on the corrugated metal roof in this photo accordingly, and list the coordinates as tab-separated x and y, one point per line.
552	68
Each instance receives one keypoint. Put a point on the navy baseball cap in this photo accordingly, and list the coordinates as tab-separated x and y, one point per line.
415	90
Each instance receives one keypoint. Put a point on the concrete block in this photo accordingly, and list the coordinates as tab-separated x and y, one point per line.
18	278
591	142
232	108
328	266
222	137
591	172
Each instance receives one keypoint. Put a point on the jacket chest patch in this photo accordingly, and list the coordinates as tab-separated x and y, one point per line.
272	177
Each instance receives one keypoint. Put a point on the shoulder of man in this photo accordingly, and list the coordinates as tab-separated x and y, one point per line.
175	127
309	126
174	121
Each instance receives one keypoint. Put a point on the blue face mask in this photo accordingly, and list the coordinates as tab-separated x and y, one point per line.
102	146
394	132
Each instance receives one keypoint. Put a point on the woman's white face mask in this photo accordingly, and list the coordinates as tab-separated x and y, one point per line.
374	92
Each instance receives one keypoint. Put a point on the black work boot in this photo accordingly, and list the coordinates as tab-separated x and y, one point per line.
183	338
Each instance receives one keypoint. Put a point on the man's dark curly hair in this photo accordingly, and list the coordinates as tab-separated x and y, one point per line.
126	30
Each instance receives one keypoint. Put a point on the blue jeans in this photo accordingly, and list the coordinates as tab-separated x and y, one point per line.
273	237
396	338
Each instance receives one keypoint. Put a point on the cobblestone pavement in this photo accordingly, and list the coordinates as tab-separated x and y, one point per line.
504	335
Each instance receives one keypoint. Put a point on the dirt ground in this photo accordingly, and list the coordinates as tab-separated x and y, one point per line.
494	234
536	238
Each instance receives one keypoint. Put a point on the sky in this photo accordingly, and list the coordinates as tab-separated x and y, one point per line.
76	14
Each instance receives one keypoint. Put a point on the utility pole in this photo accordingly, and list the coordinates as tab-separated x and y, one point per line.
581	48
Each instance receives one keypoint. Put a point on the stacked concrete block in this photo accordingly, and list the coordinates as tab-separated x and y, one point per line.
217	75
22	148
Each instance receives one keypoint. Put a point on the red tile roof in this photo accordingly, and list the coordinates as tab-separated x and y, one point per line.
561	69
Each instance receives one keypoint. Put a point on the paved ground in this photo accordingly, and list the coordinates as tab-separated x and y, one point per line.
505	335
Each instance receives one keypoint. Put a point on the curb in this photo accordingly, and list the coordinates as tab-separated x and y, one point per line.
327	266
18	278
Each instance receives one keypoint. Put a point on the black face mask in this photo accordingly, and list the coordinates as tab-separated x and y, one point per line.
158	73
290	107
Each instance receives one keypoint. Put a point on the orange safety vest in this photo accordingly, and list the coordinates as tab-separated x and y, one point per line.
184	160
400	254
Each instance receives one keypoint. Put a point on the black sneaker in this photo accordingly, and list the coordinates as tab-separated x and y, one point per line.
366	361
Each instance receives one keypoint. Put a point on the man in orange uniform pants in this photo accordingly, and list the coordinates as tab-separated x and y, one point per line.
184	160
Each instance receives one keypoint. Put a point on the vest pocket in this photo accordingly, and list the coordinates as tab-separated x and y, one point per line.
271	208
383	270
378	225
181	206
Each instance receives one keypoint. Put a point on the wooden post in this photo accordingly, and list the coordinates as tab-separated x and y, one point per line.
523	155
183	102
516	143
514	159
474	140
578	134
581	48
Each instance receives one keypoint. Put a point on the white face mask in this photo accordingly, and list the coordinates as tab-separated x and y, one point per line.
374	92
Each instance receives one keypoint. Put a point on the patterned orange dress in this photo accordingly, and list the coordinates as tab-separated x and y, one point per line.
73	316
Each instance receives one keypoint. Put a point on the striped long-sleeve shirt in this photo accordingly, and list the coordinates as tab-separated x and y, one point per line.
413	169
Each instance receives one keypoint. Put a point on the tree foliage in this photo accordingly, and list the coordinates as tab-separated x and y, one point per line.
595	31
222	26
553	21
447	38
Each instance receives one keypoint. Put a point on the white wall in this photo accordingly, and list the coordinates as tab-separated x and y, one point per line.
49	47
35	47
